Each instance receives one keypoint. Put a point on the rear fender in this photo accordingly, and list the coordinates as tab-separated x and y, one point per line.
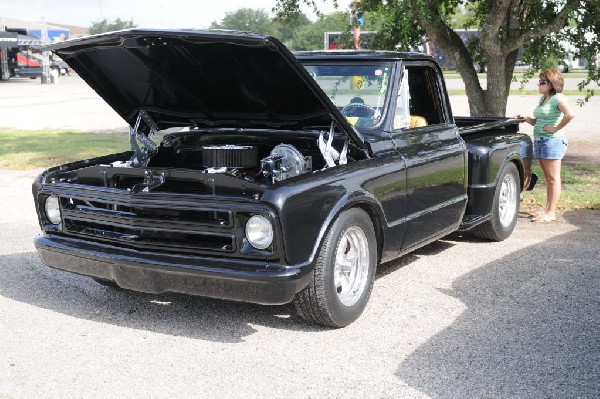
488	155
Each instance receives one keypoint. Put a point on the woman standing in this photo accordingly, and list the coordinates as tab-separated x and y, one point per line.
550	116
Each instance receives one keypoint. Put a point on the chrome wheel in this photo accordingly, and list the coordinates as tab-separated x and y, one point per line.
507	200
344	272
504	208
351	266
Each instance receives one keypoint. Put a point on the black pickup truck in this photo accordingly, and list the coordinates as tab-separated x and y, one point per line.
288	178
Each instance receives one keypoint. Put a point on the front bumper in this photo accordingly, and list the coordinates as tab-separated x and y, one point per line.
156	273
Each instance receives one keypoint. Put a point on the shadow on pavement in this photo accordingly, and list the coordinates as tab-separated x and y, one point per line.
25	278
431	249
531	327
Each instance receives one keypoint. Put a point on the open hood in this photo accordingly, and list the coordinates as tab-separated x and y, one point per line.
202	79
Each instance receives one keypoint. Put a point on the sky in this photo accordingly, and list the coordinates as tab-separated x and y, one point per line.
144	13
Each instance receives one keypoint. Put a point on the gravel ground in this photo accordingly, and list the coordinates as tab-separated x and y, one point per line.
459	318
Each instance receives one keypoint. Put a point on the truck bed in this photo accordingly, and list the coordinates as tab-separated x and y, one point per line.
476	124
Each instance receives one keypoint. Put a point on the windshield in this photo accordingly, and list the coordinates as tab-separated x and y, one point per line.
358	90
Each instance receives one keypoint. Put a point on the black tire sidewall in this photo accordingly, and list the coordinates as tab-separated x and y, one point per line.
341	314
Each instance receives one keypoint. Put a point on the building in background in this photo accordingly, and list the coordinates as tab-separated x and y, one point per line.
345	40
74	31
55	33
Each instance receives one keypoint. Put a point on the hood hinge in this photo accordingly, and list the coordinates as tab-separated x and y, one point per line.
141	155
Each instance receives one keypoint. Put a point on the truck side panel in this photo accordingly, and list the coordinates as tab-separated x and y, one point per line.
489	151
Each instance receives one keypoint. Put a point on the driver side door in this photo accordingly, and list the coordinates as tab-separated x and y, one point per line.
434	153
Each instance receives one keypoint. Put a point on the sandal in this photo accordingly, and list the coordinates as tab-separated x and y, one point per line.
544	219
531	183
535	214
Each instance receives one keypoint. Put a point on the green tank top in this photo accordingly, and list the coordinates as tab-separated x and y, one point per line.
548	114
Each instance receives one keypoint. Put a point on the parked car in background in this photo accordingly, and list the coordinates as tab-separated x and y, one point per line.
62	67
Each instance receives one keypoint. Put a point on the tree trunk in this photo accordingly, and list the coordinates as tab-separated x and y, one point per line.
501	37
496	95
458	53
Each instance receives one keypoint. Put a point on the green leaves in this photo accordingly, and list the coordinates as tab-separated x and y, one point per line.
106	25
248	20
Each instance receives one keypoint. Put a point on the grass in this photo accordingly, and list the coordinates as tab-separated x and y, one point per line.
517	74
23	149
458	92
580	183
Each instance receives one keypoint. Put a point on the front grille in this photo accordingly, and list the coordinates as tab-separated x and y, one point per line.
150	237
149	224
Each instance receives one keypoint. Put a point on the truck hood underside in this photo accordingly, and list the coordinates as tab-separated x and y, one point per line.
202	79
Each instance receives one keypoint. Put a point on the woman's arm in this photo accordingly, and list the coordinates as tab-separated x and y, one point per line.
527	119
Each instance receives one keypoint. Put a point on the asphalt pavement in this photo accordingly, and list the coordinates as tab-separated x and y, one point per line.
459	318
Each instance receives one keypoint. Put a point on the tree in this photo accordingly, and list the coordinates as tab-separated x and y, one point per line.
248	20
105	25
286	31
542	28
311	36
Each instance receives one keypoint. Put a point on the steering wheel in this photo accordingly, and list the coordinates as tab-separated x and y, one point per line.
359	110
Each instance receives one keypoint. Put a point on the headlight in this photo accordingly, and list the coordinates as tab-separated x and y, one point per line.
53	209
259	232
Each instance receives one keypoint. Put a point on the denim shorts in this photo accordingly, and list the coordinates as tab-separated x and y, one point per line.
549	147
526	149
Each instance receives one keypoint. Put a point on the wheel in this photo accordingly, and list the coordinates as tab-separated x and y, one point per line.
359	110
108	283
505	207
344	272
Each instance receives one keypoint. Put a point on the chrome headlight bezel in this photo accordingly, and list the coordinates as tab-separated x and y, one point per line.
52	210
259	232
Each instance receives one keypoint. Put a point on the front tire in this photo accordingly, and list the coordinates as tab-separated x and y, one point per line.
505	207
344	273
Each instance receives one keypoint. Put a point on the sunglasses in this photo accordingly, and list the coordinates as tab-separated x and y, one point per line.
542	82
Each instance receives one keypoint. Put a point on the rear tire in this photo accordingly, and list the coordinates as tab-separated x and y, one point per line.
344	272
505	207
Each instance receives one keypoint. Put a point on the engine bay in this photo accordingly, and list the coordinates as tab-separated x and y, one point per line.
283	161
255	156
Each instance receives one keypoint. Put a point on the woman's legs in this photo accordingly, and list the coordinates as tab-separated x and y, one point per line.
527	166
551	168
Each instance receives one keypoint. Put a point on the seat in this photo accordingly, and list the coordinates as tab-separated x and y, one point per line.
417	121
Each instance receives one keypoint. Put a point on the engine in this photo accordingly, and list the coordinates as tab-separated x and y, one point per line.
283	162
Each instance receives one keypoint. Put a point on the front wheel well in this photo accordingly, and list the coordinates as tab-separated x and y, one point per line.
377	225
521	169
